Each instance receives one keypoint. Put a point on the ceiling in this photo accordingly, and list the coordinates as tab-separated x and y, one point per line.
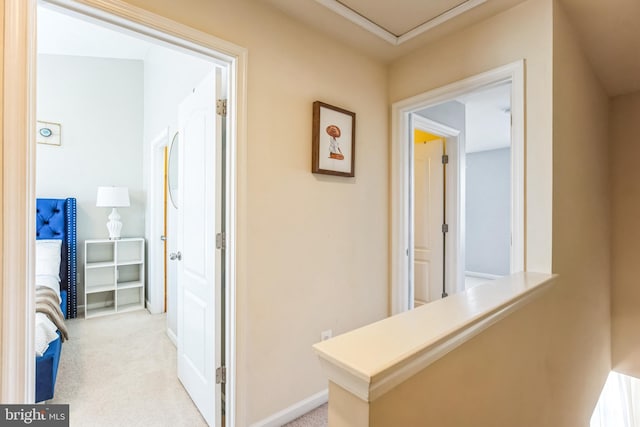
610	35
608	29
396	17
487	117
401	16
61	34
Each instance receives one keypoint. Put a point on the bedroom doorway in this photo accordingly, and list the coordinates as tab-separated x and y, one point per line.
133	83
18	359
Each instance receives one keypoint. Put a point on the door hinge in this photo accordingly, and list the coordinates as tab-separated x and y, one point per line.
221	107
445	228
221	241
445	159
221	375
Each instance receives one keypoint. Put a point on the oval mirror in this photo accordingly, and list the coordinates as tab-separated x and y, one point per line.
172	171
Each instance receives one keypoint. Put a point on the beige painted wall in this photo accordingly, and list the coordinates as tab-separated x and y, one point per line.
580	309
543	365
625	211
316	254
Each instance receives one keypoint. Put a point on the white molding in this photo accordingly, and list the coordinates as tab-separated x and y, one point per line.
434	127
120	15
439	20
18	370
154	211
400	211
172	337
505	296
400	162
294	411
387	35
360	20
18	204
518	167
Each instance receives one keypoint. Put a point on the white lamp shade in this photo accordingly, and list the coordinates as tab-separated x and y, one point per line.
112	197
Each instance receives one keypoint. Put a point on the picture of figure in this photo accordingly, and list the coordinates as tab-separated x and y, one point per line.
334	147
333	140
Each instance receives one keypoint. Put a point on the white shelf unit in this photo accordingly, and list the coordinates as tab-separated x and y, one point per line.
113	276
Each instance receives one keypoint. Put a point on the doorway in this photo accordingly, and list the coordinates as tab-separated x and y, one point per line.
435	200
406	272
134	87
19	386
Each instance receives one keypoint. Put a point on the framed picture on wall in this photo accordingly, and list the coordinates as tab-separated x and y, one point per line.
48	133
334	140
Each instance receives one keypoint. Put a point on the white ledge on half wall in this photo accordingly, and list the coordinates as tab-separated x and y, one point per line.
372	360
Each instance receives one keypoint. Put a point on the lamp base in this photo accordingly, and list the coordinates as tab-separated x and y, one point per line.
114	225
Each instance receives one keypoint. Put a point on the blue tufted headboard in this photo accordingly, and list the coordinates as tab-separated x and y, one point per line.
56	219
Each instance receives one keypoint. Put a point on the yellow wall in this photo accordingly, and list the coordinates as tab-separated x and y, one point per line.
316	254
625	212
420	136
543	365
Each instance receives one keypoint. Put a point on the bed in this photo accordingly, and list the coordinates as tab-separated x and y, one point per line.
55	231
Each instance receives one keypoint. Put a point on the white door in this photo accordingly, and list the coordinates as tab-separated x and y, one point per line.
198	349
428	216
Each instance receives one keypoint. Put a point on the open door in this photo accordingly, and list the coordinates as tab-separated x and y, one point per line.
428	219
198	262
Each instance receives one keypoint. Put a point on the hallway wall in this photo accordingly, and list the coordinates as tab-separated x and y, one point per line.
625	243
549	359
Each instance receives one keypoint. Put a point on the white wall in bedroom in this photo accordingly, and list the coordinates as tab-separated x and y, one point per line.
100	105
169	77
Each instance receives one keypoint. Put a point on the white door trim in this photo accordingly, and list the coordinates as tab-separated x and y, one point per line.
401	178
434	127
18	192
155	223
18	204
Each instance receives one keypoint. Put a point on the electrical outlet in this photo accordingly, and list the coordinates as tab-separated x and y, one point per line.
325	335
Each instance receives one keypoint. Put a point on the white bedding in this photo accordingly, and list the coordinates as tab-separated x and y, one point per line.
48	257
45	333
47	274
49	282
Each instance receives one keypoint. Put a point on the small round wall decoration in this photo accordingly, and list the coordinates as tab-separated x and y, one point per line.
48	133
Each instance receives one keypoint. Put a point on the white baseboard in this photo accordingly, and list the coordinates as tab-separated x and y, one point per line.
294	411
153	309
172	336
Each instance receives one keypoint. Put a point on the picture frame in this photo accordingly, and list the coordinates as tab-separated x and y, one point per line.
48	133
333	149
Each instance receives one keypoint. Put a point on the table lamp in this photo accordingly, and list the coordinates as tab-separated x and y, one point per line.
113	197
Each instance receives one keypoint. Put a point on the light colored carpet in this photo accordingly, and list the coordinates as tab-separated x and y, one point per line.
315	418
121	371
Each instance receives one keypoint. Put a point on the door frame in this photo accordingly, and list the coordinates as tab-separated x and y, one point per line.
454	253
155	224
17	365
401	173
